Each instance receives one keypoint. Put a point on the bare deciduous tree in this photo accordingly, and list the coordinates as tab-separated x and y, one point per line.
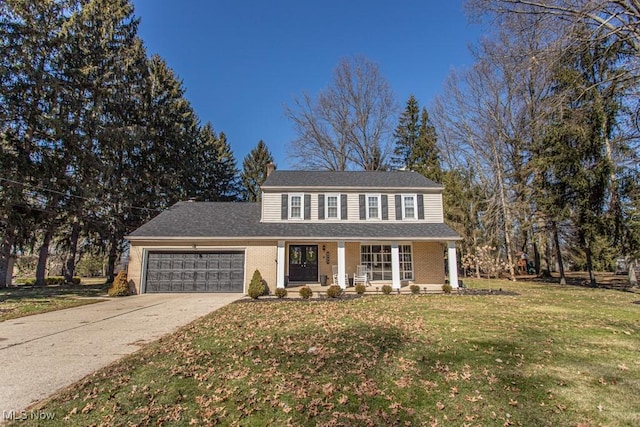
617	17
488	119
349	124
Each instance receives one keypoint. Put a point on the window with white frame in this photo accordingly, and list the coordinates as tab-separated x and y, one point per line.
409	205
373	206
377	258
296	206
332	203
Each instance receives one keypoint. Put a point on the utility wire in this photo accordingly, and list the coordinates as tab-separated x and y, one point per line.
39	187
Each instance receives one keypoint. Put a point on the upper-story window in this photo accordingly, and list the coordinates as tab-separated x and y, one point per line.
296	206
373	206
333	206
409	206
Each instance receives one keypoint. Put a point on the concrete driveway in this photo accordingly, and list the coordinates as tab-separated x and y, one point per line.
43	353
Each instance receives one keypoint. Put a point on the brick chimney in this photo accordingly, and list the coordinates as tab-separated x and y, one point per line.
270	168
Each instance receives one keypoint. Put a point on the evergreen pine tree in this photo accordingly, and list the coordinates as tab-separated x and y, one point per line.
416	142
217	175
255	171
406	134
425	157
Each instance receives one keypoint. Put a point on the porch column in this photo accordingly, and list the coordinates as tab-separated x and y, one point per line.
453	264
342	270
280	261
395	265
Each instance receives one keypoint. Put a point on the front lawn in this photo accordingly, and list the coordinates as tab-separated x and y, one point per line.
550	356
24	300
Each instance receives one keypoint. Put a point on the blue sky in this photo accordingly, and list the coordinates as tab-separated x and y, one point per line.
241	61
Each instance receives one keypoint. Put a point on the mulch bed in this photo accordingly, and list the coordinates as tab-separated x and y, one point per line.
461	291
467	291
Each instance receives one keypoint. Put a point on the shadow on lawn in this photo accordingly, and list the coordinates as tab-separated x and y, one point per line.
26	292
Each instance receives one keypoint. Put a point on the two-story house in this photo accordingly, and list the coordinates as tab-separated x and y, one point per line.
309	227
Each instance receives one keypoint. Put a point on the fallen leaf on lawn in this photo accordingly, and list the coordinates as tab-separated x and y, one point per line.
439	405
513	402
88	408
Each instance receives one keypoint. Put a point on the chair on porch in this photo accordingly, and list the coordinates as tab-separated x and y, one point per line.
361	276
334	268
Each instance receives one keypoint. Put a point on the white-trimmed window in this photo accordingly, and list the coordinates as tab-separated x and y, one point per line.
296	206
332	206
373	206
377	258
409	206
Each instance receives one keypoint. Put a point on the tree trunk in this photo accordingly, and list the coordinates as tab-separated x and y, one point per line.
475	248
587	252
506	217
631	268
536	257
43	255
5	255
556	240
111	261
546	272
70	264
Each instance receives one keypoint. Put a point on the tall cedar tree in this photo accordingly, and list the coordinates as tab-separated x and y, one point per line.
103	66
29	39
578	170
218	180
416	140
255	171
406	134
425	157
94	137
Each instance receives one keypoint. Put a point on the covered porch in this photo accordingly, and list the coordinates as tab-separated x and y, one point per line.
397	263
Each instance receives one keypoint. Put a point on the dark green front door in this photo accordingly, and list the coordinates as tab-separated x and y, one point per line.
303	263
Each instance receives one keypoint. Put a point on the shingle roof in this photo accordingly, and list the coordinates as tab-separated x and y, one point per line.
351	179
242	220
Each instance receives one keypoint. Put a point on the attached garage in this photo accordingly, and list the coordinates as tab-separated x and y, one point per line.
219	271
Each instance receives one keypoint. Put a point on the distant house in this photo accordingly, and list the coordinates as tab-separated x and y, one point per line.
309	226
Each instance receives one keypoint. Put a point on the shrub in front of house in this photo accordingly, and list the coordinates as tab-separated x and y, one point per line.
386	289
415	289
53	280
360	289
446	288
305	292
120	285
256	286
281	292
334	291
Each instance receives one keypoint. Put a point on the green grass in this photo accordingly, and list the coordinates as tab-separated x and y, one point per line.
19	301
550	356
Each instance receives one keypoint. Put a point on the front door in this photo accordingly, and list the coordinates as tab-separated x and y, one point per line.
303	263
